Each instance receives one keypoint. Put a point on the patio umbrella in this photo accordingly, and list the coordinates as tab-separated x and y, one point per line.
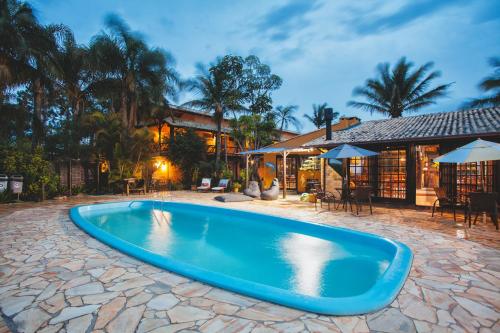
476	151
347	151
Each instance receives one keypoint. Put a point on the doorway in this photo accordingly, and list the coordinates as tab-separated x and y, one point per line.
427	174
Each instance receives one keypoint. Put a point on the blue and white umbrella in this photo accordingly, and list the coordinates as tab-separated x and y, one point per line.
347	151
476	151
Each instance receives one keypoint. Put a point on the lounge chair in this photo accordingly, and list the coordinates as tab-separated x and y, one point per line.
252	190
205	185
273	192
138	187
223	184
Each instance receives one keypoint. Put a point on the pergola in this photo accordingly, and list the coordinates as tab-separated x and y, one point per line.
283	151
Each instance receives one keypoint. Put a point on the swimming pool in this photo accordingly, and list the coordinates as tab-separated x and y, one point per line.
308	266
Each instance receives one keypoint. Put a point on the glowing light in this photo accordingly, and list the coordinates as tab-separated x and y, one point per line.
163	167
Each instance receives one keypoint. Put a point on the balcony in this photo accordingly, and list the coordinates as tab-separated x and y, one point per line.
231	150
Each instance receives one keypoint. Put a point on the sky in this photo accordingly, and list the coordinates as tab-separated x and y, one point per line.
321	49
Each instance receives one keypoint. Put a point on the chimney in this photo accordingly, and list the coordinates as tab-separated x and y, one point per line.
328	121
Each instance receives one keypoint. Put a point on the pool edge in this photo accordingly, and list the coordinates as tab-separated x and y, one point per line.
376	298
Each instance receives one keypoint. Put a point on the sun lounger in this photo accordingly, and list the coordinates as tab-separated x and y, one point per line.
205	185
223	183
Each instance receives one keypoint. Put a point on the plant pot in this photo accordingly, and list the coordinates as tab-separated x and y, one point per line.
236	190
193	187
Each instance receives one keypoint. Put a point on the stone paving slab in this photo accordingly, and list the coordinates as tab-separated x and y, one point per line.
54	277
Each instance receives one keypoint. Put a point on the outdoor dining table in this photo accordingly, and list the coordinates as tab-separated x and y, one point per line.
345	197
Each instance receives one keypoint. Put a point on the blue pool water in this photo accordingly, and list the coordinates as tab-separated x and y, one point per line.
308	266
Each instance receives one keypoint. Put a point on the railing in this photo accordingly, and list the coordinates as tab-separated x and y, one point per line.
230	150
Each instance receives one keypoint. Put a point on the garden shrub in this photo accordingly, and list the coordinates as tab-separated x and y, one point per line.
39	175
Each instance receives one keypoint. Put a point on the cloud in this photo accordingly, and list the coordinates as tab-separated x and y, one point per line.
281	22
411	11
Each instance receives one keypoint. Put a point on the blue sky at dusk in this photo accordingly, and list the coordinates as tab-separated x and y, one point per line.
321	49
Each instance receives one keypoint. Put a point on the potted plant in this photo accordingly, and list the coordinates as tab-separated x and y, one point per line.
236	187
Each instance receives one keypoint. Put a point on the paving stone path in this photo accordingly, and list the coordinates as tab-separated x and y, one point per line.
55	278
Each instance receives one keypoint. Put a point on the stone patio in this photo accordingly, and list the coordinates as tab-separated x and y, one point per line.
55	278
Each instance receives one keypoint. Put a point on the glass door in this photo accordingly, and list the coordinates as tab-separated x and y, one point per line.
427	174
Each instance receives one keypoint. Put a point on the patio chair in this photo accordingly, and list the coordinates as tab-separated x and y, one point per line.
252	190
323	196
205	185
362	194
223	184
138	187
481	202
446	201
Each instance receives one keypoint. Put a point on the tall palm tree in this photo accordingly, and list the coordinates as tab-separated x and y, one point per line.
400	90
285	117
18	28
125	64
217	90
72	82
318	116
490	84
26	57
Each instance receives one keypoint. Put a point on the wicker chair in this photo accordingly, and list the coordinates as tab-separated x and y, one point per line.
323	196
480	202
362	194
446	201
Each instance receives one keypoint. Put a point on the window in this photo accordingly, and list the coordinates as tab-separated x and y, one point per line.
392	174
469	178
360	171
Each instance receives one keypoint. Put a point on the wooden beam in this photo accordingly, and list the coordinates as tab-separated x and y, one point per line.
247	156
285	154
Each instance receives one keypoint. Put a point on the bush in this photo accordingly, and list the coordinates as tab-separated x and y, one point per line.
40	178
187	151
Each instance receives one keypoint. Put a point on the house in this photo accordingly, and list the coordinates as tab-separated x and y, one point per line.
404	170
303	167
205	126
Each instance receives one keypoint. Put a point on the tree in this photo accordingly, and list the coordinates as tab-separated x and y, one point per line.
318	116
72	80
284	116
186	151
259	83
400	90
489	85
124	65
18	29
218	89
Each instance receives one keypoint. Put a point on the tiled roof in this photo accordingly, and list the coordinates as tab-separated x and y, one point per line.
474	122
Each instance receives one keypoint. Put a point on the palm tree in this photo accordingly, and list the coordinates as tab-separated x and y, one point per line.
284	116
318	116
18	28
26	58
490	84
217	90
124	64
399	90
72	82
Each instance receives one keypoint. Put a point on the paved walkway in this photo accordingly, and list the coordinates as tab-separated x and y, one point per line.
54	277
